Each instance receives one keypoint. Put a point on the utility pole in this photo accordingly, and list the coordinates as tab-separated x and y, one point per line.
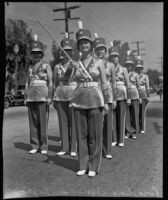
138	48
161	63
67	11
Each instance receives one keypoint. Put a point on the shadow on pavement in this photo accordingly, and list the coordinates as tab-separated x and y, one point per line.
154	113
67	163
158	128
22	145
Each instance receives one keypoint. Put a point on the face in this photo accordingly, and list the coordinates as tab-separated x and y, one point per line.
100	52
69	52
36	56
16	49
138	69
129	67
84	45
114	59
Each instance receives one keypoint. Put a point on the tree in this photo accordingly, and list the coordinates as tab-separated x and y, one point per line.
153	78
17	32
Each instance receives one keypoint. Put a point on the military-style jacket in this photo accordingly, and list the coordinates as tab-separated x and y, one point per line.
144	86
62	92
37	82
89	94
122	81
133	85
110	78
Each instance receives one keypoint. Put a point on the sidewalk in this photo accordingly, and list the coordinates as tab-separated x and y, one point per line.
155	98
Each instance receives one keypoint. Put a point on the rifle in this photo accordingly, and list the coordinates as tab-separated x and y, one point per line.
81	68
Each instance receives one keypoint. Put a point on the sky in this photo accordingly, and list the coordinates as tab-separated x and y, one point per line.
125	21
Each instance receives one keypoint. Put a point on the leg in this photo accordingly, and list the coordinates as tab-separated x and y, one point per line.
122	116
62	110
109	130
128	125
135	115
114	131
95	128
144	107
33	124
42	119
73	142
82	135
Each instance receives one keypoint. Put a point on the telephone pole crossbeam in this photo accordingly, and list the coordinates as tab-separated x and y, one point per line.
67	11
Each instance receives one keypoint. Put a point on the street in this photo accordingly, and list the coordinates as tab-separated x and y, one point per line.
134	171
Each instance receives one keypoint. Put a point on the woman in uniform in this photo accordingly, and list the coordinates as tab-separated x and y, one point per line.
38	97
122	81
63	92
88	103
100	51
132	111
143	93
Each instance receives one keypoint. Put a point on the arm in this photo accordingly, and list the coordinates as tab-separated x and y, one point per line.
138	86
26	89
127	83
147	86
104	85
50	84
114	85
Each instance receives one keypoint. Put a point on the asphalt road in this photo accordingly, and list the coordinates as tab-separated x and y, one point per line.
134	171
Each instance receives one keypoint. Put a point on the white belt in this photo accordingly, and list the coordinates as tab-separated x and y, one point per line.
88	84
142	87
38	81
120	83
132	86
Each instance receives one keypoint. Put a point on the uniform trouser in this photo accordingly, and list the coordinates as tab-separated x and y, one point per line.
120	120
132	117
68	140
73	146
142	114
114	131
107	131
37	112
89	128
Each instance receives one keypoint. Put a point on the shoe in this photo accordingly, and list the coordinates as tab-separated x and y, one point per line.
43	151
109	156
92	173
73	154
81	172
113	143
134	137
121	144
33	151
143	132
126	137
61	153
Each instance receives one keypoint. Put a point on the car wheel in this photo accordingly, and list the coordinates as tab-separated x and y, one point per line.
6	103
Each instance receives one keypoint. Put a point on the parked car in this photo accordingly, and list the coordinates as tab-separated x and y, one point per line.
16	98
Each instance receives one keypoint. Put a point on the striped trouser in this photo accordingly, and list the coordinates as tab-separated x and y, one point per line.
107	131
142	114
120	120
37	112
89	126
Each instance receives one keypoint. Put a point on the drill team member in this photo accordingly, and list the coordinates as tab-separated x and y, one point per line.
88	103
132	111
61	101
122	81
38	96
100	51
143	93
